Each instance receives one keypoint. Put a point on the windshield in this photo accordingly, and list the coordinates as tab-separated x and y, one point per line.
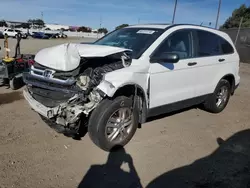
136	39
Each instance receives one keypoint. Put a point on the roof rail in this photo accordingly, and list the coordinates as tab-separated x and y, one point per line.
151	24
195	25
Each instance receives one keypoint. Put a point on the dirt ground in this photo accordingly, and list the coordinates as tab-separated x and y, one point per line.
161	154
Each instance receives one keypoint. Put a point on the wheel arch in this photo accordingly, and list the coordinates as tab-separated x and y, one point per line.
231	79
137	93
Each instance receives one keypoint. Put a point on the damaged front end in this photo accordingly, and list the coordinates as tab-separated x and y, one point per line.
65	98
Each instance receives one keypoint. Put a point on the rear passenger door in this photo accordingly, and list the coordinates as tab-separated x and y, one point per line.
212	55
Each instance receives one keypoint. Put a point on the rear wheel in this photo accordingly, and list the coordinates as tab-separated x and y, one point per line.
113	123
217	102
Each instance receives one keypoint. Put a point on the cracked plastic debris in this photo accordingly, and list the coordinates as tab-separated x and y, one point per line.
69	113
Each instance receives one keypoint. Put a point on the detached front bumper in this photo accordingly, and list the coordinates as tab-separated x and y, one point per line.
38	107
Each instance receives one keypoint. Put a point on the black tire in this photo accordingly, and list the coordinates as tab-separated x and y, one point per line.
210	103
16	82
99	118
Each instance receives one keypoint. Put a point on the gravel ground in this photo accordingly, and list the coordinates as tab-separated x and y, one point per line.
181	150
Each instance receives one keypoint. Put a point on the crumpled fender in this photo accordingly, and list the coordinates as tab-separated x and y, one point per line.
133	75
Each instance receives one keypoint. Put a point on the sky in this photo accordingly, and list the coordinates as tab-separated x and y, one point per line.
111	13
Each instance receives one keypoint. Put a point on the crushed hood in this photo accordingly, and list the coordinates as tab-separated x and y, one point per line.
66	57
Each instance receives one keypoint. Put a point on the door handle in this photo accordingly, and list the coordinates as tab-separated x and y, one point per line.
221	60
192	63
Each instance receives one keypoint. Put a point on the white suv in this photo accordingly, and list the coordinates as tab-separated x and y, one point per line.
112	86
13	33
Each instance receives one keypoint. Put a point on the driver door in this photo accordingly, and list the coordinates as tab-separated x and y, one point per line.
173	82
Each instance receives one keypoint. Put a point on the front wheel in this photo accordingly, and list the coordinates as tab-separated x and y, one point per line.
113	123
217	102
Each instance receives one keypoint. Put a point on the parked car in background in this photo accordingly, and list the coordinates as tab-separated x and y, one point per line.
13	33
52	35
62	35
39	35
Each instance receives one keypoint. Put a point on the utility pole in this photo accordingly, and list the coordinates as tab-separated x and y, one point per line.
218	15
235	42
42	15
139	20
174	11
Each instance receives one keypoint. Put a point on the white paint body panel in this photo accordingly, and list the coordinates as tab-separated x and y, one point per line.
171	83
137	74
66	57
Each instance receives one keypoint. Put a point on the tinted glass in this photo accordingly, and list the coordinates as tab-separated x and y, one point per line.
179	42
136	39
10	30
226	47
208	44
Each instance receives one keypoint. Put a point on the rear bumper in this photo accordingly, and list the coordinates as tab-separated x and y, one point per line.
40	108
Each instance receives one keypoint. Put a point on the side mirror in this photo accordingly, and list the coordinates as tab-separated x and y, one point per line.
165	58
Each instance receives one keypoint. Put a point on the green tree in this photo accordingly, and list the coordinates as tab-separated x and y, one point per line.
24	25
103	30
3	23
234	20
37	22
121	26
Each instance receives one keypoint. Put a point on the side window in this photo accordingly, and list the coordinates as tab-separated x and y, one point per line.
226	47
208	44
178	42
10	30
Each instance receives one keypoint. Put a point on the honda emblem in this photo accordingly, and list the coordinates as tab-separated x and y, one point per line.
48	73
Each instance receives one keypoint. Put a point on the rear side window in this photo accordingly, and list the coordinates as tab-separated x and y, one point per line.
10	30
208	44
226	47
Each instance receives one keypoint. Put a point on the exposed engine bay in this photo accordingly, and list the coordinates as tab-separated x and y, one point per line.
69	95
